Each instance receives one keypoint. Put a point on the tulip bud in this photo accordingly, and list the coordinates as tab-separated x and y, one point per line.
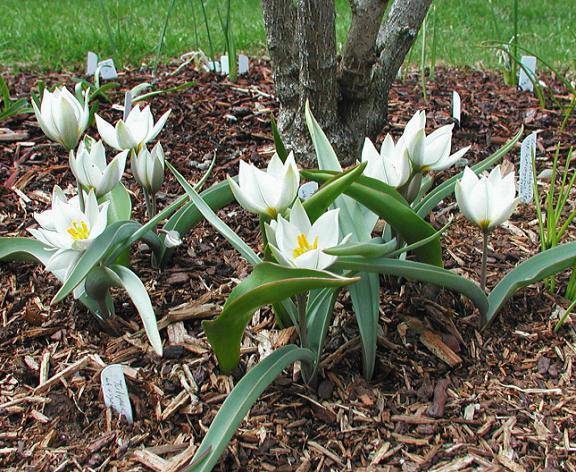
486	201
90	169
148	168
267	193
135	132
62	117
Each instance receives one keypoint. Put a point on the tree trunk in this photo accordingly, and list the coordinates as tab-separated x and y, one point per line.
348	95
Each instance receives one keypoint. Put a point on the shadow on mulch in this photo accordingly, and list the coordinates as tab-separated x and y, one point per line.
508	402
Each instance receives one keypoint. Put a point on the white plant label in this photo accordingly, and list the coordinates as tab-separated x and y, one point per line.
525	79
224	65
456	107
526	177
307	190
107	69
116	392
243	64
91	63
127	105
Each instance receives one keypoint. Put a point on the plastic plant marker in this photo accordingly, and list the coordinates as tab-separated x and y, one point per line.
526	178
115	391
525	80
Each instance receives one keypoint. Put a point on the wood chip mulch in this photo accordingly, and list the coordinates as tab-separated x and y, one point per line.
445	396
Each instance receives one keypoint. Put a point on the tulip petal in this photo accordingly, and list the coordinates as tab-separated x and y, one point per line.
158	126
107	132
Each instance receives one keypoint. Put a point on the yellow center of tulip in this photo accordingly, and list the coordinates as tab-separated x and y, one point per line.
79	230
304	245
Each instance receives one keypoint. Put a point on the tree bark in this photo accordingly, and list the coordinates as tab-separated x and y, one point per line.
348	95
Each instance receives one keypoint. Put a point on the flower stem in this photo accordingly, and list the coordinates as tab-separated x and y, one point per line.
308	370
150	201
81	197
301	302
484	260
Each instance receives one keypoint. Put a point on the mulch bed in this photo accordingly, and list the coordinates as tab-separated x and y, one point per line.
506	402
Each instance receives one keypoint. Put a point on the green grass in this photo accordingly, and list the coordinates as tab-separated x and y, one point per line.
56	34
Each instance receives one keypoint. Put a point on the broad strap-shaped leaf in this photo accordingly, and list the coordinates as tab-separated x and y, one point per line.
120	208
115	237
319	315
365	297
318	203
212	218
421	272
532	270
376	247
24	249
139	296
446	188
216	197
268	283
400	216
239	402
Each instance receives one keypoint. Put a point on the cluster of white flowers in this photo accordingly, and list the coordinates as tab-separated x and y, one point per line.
70	226
294	241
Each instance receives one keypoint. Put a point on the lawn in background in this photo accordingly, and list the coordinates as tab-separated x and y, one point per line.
56	34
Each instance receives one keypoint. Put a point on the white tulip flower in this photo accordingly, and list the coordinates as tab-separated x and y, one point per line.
135	132
267	193
66	227
298	243
391	165
486	201
67	231
62	117
148	168
89	167
430	152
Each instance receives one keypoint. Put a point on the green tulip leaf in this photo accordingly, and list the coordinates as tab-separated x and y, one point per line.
376	247
24	249
240	400
139	296
120	208
318	203
278	143
112	240
532	270
420	272
267	284
370	193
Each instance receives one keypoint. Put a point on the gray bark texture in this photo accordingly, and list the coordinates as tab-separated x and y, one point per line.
348	93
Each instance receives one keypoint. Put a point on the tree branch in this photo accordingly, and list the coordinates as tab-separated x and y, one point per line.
396	36
359	54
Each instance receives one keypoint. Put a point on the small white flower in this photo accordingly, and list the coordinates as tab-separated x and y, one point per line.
172	239
66	227
267	193
391	165
62	117
90	169
430	152
298	243
137	130
148	168
486	201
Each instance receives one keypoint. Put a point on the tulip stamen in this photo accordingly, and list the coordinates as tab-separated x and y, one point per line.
79	230
304	246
